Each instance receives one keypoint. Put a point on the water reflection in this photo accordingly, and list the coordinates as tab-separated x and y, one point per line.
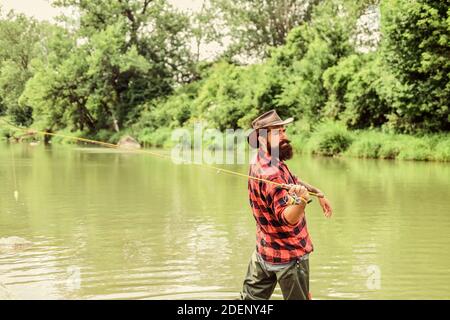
110	225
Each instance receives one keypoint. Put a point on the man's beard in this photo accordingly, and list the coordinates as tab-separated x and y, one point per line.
285	150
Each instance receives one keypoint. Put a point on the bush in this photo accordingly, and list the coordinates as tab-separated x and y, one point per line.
158	138
103	135
336	80
375	144
232	96
329	139
68	133
389	149
369	144
172	111
5	132
442	150
299	136
415	149
366	146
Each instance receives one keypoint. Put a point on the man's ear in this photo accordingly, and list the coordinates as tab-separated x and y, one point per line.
252	139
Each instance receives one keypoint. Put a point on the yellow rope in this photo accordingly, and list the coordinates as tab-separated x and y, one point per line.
115	146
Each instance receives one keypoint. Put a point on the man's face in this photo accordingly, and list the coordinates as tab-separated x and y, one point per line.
277	140
276	136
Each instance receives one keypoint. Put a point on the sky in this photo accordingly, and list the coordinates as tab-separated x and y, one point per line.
39	9
43	10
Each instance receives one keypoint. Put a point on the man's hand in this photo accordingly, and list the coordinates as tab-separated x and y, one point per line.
300	191
326	207
294	213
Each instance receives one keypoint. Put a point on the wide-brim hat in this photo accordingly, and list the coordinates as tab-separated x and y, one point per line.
266	120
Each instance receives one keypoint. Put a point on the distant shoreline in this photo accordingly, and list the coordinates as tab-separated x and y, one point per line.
329	140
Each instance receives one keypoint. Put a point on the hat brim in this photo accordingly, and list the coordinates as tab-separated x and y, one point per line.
252	137
279	123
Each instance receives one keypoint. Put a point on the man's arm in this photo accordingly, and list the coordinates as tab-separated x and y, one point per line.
324	203
311	188
295	212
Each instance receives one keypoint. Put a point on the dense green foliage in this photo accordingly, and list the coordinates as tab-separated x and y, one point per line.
417	50
21	41
97	77
129	67
319	74
331	138
254	26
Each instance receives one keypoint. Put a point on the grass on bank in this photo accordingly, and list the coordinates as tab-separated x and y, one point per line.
327	139
333	139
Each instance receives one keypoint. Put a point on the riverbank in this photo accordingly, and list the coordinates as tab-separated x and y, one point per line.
333	139
328	139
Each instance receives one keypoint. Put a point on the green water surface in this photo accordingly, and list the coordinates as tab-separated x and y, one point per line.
106	225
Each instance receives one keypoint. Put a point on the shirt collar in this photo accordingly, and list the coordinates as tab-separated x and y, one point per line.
265	158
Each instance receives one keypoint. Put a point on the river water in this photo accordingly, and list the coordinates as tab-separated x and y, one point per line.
109	225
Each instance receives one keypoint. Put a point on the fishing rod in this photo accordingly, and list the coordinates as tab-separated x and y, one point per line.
116	146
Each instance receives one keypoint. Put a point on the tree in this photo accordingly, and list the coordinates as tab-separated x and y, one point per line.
125	54
360	90
20	43
157	30
254	26
312	49
417	50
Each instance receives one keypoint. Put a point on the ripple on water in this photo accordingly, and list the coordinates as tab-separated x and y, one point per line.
138	228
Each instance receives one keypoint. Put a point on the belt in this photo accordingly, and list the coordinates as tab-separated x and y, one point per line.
303	257
277	267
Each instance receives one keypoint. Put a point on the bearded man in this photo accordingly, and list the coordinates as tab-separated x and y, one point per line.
278	200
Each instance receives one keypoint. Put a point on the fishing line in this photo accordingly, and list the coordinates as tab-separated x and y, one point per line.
115	146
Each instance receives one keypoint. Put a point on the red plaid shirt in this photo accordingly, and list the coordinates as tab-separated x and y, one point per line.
277	241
